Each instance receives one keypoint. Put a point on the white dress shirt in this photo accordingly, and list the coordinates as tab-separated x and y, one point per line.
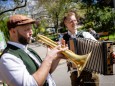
14	72
85	35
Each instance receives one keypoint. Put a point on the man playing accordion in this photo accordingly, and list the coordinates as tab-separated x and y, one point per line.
70	23
85	79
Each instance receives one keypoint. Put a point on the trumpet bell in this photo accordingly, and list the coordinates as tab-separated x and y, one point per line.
81	65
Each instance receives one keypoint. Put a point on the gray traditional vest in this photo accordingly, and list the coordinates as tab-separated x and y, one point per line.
31	66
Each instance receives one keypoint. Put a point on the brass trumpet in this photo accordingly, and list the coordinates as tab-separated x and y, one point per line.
79	60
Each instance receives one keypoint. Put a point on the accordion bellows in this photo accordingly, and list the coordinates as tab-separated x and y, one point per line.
100	60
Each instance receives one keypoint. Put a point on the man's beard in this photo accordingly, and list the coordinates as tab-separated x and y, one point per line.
22	39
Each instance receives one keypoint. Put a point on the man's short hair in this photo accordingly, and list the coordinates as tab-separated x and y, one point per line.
67	14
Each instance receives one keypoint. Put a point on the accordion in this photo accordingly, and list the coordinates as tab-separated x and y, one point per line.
101	57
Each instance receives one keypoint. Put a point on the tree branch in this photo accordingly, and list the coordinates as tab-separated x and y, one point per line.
17	7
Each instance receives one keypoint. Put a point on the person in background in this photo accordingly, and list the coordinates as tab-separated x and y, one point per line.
93	32
22	66
70	22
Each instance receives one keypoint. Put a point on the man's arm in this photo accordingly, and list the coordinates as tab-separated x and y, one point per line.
48	65
14	72
88	35
41	74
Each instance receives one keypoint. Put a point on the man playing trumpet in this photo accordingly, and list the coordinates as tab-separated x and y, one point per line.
22	66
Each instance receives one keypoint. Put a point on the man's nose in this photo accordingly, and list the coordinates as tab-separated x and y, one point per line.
75	22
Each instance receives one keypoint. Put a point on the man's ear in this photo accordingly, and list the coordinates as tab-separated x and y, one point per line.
64	22
13	30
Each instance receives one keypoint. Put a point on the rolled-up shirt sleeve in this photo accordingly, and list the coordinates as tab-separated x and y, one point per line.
88	35
14	72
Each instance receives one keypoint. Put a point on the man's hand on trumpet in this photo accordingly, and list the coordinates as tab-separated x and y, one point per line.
56	51
62	43
54	55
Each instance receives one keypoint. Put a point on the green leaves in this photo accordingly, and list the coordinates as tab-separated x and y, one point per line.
101	17
3	28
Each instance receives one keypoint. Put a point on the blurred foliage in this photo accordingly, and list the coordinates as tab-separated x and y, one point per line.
100	19
3	28
99	16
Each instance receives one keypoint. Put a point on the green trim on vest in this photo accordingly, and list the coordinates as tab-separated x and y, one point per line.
31	66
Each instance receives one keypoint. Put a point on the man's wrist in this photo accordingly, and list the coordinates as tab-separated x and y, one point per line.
48	60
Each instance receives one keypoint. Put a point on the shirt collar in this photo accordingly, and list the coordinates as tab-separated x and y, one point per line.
21	46
72	35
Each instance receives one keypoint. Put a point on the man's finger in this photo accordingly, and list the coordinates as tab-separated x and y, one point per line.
63	43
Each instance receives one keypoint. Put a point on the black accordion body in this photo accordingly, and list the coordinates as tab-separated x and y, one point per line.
100	60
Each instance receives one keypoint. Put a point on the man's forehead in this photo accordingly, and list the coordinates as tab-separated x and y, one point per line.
71	17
